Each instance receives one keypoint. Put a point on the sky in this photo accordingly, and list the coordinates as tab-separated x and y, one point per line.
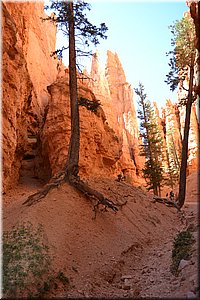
138	32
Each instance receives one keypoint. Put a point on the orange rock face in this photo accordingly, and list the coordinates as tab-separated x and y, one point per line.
109	145
27	70
35	142
36	46
116	95
173	127
100	148
36	121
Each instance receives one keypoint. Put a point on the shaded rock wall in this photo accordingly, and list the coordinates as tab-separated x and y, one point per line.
193	143
159	118
173	118
195	14
27	70
16	82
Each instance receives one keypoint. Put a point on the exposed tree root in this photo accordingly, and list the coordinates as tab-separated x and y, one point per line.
37	197
168	202
165	201
79	185
94	195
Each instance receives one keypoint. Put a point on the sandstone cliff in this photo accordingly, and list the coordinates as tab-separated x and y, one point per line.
100	148
33	135
36	120
173	119
116	95
27	70
109	145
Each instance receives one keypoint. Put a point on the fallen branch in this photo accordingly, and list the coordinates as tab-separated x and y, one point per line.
165	201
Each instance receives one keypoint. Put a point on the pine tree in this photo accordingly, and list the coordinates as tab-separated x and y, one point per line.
71	19
182	63
85	33
152	143
174	159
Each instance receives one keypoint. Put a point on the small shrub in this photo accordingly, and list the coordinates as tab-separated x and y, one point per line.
25	258
181	249
120	177
89	104
61	276
27	264
51	283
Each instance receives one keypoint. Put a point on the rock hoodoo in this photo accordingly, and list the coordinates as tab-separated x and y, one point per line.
27	149
116	95
36	119
100	148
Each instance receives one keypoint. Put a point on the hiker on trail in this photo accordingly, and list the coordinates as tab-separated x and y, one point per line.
171	196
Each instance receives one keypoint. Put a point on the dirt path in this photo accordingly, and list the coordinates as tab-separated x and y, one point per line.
155	268
113	256
144	272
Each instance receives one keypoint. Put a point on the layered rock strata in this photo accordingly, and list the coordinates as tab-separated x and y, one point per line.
27	70
36	120
173	118
100	148
116	96
27	107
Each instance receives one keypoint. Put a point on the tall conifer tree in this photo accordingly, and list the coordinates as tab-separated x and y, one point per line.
72	20
182	63
151	147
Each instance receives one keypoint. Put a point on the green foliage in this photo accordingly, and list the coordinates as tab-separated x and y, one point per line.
183	54
174	157
153	173
181	249
51	283
182	65
26	262
61	276
152	143
86	33
90	104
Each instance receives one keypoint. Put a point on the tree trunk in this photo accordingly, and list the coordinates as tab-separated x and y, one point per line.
183	169
73	153
176	159
169	169
71	171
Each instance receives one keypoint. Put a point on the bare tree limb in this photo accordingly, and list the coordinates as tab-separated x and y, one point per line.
165	201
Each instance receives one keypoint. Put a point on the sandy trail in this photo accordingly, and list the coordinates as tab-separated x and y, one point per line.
121	255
